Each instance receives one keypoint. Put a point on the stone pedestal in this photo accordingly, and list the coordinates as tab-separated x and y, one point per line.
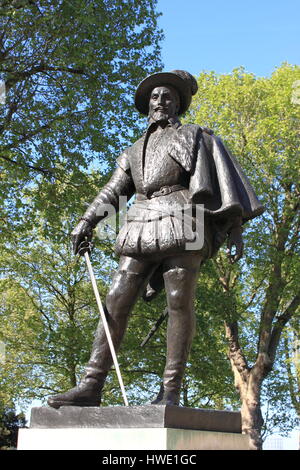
132	428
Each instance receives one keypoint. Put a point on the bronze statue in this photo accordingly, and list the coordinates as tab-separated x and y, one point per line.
170	167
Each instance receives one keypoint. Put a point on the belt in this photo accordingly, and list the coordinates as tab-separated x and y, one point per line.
162	192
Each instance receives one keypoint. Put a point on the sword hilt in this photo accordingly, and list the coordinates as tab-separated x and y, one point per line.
85	247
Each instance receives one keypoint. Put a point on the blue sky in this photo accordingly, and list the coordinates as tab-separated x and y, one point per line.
222	35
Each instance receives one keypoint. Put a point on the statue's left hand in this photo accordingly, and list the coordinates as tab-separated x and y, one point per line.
235	245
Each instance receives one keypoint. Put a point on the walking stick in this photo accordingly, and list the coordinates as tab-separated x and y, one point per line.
87	247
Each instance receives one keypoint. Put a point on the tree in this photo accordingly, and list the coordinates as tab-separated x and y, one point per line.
281	414
291	352
48	316
70	69
10	422
259	122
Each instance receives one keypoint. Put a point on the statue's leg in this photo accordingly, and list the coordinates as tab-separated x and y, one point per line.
180	276
128	283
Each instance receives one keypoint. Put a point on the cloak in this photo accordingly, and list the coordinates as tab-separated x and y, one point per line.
217	179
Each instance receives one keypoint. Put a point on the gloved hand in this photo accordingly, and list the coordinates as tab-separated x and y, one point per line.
82	235
235	241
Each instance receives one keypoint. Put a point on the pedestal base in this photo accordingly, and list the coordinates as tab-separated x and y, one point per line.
129	439
132	428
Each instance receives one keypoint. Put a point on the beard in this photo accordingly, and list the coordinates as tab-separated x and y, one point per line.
159	116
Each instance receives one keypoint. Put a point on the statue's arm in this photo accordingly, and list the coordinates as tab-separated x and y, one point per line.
120	184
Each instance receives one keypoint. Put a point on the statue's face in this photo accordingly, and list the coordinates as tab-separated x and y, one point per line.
164	103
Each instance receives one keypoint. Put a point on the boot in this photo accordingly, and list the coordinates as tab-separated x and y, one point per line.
87	393
119	302
167	397
180	286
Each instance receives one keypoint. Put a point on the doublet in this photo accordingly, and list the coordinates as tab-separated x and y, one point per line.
171	171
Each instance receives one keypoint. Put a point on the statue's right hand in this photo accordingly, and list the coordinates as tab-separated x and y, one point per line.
83	232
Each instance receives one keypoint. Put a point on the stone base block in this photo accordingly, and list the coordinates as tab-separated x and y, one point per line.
132	428
129	439
145	416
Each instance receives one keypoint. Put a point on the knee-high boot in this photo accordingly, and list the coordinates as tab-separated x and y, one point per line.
180	286
119	302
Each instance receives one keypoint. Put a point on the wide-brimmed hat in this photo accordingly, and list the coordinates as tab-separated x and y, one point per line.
182	81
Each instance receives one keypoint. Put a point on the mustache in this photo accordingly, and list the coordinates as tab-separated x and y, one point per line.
160	109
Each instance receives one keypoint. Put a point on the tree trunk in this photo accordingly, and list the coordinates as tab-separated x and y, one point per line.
248	380
251	415
248	383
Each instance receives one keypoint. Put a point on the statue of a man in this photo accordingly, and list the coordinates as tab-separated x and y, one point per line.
170	167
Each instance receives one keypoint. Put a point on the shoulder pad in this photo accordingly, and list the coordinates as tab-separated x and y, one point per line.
123	161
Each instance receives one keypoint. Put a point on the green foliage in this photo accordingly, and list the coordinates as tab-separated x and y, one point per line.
48	316
281	401
10	422
70	70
